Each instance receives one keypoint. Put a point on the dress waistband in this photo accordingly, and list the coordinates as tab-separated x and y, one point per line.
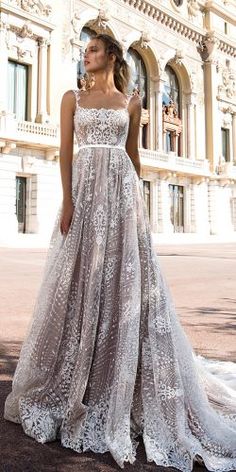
101	145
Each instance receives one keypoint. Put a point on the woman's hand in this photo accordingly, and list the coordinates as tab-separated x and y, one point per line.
66	216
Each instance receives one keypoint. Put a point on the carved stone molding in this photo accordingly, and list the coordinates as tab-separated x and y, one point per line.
100	23
26	30
228	86
145	39
228	109
76	23
21	53
7	147
32	6
43	42
170	118
28	163
208	47
193	8
4	30
4	26
178	57
156	13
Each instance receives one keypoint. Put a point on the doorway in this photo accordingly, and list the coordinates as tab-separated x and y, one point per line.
146	194
21	203
177	207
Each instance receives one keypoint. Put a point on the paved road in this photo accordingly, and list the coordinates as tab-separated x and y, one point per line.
201	279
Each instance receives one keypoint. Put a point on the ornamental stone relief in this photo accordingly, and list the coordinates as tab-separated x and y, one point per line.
193	8
33	6
208	47
101	22
228	86
76	23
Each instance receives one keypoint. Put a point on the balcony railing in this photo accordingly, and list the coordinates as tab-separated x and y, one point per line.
228	169
28	133
169	161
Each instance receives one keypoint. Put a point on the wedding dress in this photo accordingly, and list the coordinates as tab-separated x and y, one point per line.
105	359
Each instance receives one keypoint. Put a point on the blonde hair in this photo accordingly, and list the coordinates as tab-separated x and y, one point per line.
121	67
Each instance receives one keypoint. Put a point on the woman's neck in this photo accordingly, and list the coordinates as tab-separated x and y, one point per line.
104	83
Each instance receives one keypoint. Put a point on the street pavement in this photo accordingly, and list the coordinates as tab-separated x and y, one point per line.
201	279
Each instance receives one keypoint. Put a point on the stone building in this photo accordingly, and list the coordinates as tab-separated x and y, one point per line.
182	56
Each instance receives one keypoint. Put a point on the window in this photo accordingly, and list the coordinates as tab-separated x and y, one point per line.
146	194
85	36
169	141
138	80
172	124
18	89
177	207
138	73
171	89
225	144
21	203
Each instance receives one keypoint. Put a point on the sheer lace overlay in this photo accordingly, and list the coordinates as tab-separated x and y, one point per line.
105	358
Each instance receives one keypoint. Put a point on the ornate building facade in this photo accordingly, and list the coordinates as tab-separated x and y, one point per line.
182	56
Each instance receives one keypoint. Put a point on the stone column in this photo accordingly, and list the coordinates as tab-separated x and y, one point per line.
210	56
153	112
213	126
42	115
190	109
3	66
164	222
189	209
212	206
159	123
234	136
154	206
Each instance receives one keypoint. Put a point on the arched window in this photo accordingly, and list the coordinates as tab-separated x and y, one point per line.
85	36
171	112
138	74
171	88
138	80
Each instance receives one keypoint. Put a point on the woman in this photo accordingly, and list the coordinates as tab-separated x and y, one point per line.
106	359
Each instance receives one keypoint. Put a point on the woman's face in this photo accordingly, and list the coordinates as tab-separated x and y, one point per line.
95	57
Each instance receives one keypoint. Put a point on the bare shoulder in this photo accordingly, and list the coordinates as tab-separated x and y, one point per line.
135	103
69	99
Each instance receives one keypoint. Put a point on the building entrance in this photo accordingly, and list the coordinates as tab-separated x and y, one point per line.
21	203
177	207
146	192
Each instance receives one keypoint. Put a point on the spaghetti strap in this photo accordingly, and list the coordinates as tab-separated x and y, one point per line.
77	96
128	96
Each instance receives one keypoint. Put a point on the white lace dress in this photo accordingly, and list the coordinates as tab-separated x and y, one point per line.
105	358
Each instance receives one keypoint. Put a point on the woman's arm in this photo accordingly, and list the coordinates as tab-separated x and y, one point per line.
135	109
66	142
66	156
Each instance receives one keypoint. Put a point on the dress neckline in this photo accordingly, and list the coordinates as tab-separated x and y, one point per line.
78	106
103	108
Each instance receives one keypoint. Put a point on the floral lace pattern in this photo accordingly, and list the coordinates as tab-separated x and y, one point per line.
105	358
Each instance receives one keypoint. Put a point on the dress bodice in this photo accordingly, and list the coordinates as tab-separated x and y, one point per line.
100	125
